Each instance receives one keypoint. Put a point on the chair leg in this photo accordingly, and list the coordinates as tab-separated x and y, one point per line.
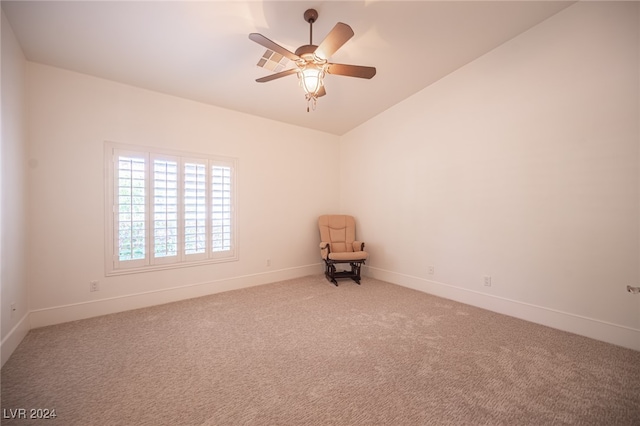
355	272
330	273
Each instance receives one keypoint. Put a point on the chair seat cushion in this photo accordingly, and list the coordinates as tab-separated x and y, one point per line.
349	255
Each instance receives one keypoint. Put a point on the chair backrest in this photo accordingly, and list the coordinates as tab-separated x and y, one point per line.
339	231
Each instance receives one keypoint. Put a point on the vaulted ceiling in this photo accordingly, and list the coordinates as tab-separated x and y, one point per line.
200	50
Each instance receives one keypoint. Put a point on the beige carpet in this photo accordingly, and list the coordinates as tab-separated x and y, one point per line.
305	352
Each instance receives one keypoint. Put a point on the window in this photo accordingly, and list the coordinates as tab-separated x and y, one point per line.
167	209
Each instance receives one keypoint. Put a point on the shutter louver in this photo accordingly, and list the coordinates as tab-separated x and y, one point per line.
221	208
195	208
131	206
165	208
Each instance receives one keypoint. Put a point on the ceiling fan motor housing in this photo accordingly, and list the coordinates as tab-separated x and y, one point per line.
306	51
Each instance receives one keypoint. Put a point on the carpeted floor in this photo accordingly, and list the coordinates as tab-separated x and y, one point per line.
305	352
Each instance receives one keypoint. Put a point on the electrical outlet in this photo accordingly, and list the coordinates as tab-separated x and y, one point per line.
487	280
94	286
268	262
431	269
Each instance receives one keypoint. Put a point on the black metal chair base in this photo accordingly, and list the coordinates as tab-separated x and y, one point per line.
333	275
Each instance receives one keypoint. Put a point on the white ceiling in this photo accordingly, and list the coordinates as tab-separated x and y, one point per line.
200	50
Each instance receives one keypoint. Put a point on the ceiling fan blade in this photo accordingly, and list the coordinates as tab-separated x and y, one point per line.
262	40
338	36
322	91
351	70
277	75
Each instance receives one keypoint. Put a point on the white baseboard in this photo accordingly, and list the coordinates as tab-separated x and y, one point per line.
13	338
600	330
77	311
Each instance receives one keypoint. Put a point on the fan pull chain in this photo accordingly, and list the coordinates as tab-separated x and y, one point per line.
313	100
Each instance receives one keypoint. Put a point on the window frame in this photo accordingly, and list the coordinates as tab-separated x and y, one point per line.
113	264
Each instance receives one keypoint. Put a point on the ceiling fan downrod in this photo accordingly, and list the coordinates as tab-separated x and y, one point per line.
311	16
312	63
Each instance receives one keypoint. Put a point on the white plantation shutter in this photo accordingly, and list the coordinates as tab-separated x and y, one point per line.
165	209
130	209
221	208
168	209
195	208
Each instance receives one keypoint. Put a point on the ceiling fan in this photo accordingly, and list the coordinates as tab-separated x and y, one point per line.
311	61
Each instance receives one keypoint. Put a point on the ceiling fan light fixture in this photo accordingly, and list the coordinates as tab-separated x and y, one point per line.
311	78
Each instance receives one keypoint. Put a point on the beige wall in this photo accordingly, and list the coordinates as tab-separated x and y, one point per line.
522	165
287	177
13	195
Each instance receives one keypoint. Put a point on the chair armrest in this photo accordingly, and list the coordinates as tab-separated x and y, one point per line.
358	246
325	249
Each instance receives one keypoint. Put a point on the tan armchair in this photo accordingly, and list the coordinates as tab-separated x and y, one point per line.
339	245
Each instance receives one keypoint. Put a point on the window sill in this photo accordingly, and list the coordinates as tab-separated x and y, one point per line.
166	266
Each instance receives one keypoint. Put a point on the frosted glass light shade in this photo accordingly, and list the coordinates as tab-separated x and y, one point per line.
311	79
